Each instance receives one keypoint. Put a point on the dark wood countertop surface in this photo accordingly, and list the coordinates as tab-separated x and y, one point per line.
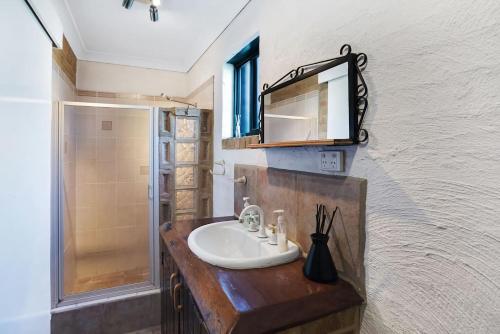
253	300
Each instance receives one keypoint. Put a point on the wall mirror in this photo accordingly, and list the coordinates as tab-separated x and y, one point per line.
317	104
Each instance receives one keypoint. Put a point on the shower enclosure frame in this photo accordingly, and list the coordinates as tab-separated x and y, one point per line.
58	298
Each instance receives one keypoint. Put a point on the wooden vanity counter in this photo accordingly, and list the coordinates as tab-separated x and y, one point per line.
254	300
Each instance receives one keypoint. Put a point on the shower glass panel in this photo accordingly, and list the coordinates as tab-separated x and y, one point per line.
105	199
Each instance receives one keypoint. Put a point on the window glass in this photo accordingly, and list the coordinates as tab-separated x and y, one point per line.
246	105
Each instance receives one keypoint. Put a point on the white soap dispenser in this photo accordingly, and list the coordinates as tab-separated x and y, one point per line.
281	232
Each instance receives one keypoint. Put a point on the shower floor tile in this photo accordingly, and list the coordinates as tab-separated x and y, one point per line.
110	280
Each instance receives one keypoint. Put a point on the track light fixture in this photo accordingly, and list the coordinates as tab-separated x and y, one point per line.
153	8
153	13
127	3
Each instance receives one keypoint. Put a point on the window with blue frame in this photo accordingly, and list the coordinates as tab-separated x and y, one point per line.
245	95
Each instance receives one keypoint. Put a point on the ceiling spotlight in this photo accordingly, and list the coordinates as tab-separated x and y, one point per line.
153	13
127	3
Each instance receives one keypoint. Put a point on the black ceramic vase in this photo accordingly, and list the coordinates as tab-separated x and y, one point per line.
319	266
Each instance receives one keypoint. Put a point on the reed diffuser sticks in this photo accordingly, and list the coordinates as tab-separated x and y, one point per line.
321	215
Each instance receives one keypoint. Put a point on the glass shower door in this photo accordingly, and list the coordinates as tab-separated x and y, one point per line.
105	229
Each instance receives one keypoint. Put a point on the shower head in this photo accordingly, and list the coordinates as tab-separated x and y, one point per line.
127	3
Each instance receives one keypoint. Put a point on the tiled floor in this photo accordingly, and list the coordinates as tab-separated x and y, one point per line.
110	280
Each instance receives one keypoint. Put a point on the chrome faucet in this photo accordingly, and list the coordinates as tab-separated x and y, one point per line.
262	228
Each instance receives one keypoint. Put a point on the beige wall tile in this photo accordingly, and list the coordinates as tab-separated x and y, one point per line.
126	126
86	148
106	241
85	242
141	216
125	193
141	192
86	125
106	149
106	217
86	195
86	172
126	215
106	171
69	171
106	195
141	149
86	219
127	170
125	148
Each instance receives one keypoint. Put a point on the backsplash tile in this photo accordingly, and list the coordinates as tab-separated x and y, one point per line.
298	193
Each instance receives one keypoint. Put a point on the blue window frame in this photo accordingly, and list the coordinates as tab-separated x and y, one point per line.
245	94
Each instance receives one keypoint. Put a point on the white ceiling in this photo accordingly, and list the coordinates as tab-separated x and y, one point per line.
110	33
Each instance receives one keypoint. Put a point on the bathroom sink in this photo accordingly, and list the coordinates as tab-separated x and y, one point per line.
229	245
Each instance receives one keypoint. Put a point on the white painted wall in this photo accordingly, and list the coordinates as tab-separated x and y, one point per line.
25	137
49	17
432	163
105	77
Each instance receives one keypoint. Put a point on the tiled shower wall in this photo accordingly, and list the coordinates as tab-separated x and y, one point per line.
112	170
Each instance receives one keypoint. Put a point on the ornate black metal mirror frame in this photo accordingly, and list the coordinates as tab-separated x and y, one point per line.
358	92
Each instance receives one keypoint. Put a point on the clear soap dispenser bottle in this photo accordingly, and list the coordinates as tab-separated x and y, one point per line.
281	231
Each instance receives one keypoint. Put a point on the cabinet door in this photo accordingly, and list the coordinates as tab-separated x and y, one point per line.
179	312
163	288
170	277
190	320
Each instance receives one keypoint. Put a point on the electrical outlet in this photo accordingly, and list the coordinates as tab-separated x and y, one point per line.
331	161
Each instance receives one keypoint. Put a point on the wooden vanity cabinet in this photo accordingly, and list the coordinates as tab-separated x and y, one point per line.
267	300
179	312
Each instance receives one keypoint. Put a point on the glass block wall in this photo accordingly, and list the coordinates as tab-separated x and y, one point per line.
185	161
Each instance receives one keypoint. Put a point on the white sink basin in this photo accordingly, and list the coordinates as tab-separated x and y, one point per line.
230	245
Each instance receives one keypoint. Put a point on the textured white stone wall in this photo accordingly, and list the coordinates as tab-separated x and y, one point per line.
433	160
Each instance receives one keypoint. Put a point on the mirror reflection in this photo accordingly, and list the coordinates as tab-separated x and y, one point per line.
315	108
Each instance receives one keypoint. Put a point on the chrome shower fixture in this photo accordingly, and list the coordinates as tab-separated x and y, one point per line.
153	13
153	8
127	3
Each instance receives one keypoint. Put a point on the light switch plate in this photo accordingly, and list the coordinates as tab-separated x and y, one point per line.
331	161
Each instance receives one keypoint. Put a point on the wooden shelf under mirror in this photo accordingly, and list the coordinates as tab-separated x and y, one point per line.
326	142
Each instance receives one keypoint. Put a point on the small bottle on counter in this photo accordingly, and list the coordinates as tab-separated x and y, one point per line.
273	237
281	231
